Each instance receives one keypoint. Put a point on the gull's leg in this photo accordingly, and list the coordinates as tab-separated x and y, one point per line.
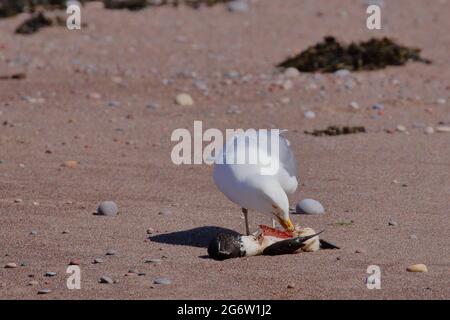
245	212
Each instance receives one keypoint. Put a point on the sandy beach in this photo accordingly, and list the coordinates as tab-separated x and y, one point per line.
103	97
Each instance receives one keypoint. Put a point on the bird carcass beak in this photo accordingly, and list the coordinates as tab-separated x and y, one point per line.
286	224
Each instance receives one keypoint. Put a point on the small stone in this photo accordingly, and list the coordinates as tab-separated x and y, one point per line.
33	232
11	265
354	105
107	208
66	231
18	200
44	291
33	283
94	96
417	268
163	281
153	105
150	231
309	206
401	128
342	73
413	237
393	223
98	260
70	164
287	85
233	109
291	73
285	100
443	129
378	106
50	274
110	252
238	6
429	130
23	264
153	261
290	286
74	262
441	101
106	279
309	114
113	104
164	211
184	99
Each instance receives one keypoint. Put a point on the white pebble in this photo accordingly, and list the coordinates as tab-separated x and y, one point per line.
309	206
310	114
184	99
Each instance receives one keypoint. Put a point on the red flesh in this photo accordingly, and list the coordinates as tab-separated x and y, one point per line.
271	232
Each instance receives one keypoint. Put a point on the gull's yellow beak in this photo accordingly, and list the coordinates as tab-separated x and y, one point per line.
287	224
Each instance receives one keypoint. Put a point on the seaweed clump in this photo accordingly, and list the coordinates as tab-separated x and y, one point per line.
140	4
330	56
337	131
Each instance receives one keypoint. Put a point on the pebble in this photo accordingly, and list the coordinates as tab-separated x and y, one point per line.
113	104
11	265
401	128
44	291
309	206
354	105
94	95
66	231
34	232
163	281
291	286
238	6
393	223
153	105
342	73
110	252
287	85
18	200
443	129
98	260
153	261
150	231
106	279
309	114
50	274
441	101
291	73
378	106
164	211
33	283
70	164
184	99
417	268
107	208
429	130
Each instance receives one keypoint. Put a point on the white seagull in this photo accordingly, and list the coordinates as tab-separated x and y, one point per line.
249	184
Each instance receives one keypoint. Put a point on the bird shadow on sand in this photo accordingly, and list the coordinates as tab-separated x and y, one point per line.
197	237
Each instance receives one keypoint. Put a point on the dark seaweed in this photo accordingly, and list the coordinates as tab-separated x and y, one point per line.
336	131
330	56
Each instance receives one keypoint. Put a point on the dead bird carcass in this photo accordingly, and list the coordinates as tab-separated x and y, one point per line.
266	241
